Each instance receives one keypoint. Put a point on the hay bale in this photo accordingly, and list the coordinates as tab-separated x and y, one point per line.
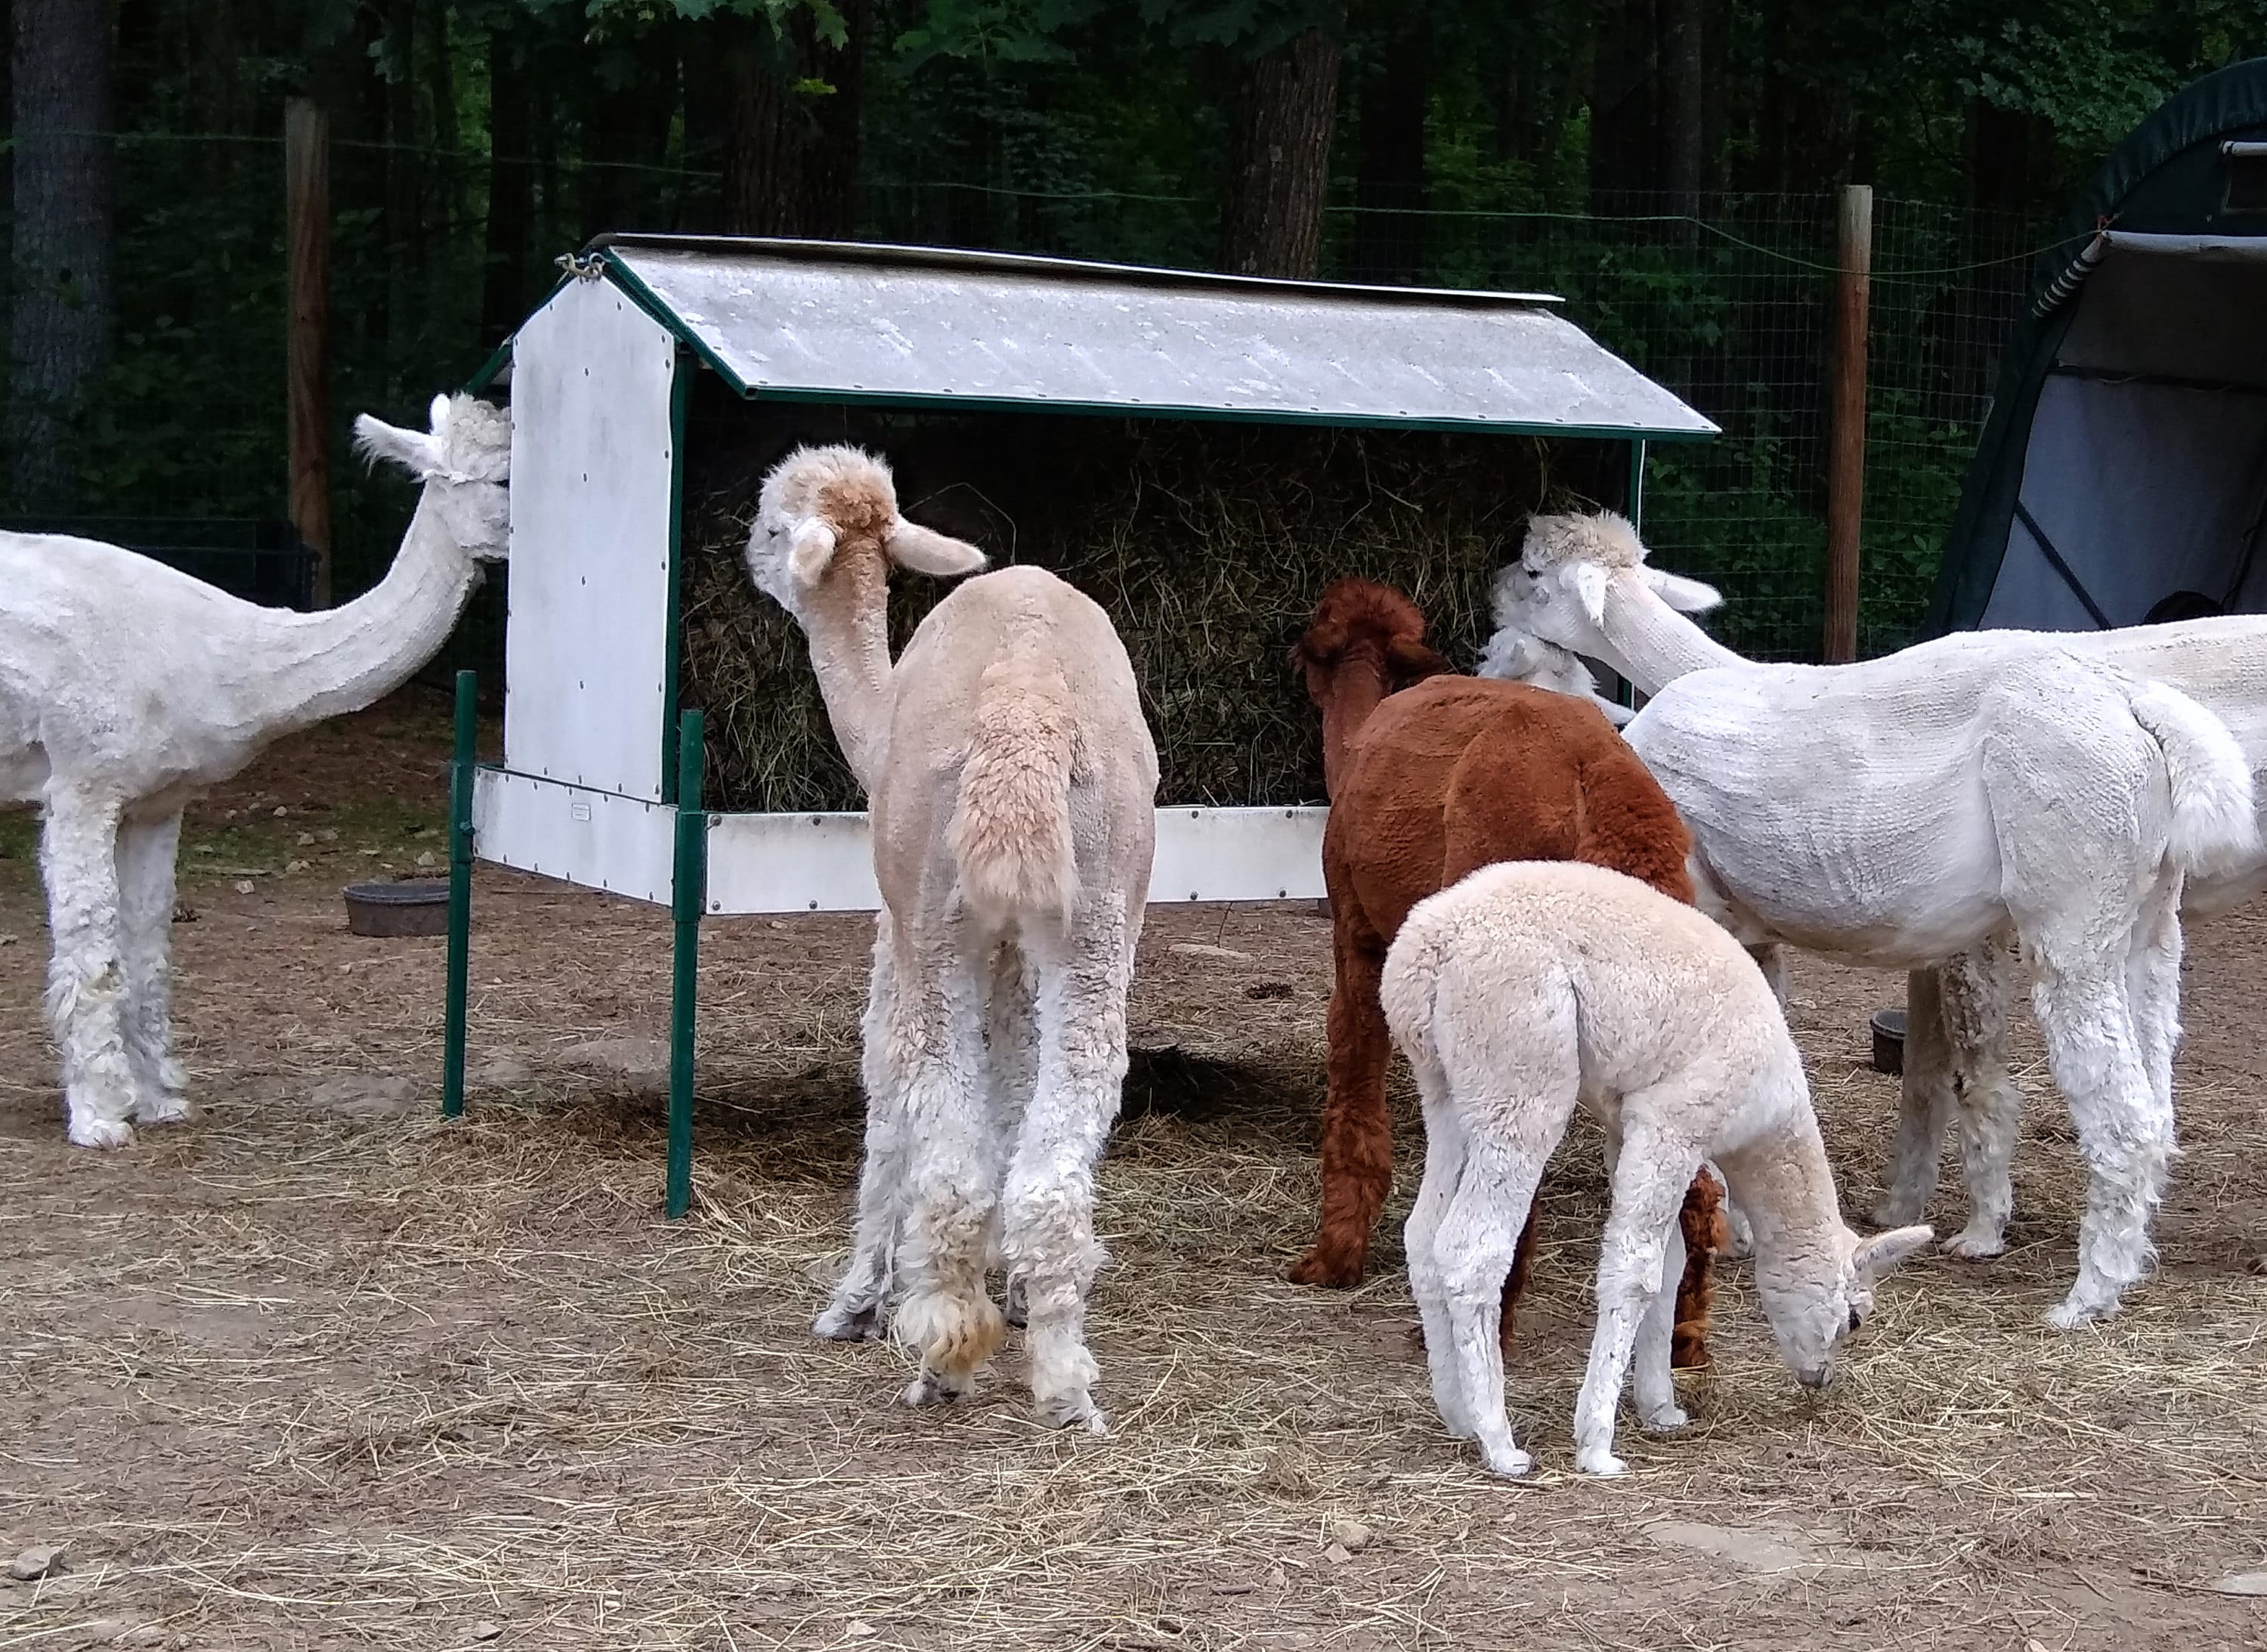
1207	542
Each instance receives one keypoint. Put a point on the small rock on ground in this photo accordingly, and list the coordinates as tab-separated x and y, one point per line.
1350	1535
1745	1549
34	1564
365	1096
643	1063
485	1631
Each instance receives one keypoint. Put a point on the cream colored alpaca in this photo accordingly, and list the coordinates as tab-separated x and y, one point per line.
1010	778
126	687
1909	809
1535	987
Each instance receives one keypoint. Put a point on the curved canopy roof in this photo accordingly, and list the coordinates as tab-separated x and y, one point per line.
829	321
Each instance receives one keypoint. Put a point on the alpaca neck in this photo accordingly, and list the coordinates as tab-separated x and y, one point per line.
1782	1181
1357	689
346	657
846	620
1651	644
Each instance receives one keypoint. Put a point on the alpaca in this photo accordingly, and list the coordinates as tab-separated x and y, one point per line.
1955	1066
126	687
1904	811
1529	988
1444	776
1010	780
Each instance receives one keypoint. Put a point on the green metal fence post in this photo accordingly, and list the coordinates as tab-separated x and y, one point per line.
689	896
460	900
1626	691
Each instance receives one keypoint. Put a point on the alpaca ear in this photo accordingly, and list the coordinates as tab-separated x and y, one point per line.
1616	713
810	550
415	452
1590	590
1876	1256
926	551
1413	661
437	417
1686	595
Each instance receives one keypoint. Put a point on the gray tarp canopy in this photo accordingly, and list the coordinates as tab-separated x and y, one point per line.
2125	463
835	322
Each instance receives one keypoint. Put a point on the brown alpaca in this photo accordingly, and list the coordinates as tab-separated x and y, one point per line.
1437	781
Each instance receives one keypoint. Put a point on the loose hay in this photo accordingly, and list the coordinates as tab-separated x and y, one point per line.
1207	543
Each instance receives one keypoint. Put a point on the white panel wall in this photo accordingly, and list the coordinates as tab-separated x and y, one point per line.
585	647
623	845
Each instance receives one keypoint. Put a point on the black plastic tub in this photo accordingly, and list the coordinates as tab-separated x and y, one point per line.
413	906
1890	1040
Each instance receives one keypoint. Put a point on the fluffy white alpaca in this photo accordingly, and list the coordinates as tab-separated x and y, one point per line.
1534	987
1010	777
126	687
1514	656
1908	810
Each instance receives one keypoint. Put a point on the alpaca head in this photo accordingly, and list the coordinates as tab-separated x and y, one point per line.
1556	590
1516	654
829	514
1814	1302
1366	640
464	462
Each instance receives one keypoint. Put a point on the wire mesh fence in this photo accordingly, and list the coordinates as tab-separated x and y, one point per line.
1730	306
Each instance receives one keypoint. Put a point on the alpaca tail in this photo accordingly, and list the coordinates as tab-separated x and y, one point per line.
1411	974
1010	833
2215	825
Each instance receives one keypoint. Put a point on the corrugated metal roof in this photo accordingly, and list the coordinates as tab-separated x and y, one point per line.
837	322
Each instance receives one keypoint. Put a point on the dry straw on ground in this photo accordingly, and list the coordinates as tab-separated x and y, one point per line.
1207	543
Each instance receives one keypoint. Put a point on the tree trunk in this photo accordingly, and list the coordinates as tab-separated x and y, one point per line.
1389	238
1683	126
791	153
1624	129
64	190
626	138
512	187
1279	159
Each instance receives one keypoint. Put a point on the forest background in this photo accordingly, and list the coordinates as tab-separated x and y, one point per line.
1669	165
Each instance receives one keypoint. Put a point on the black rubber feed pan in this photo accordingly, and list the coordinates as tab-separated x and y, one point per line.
413	906
1890	1040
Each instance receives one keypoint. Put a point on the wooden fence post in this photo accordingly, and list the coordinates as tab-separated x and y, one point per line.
307	356
1845	435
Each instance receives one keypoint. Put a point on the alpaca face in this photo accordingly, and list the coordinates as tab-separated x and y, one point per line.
1814	1302
817	501
465	461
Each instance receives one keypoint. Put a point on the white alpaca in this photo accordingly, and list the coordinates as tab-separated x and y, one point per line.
1955	1066
126	687
1534	987
1010	778
1904	811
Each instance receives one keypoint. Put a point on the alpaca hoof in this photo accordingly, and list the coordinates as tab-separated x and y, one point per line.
1601	1463
1072	1411
1975	1245
839	1324
1894	1209
931	1390
101	1133
169	1108
1330	1269
2069	1316
1015	1309
1507	1462
1668	1420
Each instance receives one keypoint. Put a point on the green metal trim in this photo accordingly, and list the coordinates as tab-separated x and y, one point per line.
460	898
1626	691
646	300
672	662
688	899
491	367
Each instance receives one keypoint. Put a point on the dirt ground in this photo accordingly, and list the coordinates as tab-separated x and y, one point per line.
332	1376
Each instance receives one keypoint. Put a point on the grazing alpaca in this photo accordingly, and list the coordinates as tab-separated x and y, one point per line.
1445	777
126	687
1919	807
1530	988
1010	781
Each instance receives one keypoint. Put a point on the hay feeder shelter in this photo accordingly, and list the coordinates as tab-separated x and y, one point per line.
660	361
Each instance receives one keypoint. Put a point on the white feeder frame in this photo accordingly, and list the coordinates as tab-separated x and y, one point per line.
600	784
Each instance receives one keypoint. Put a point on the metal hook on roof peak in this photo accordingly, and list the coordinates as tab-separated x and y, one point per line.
581	266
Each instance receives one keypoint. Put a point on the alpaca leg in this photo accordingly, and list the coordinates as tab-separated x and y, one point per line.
1924	1104
1652	1382
1635	1290
1702	1231
952	1174
2153	982
1473	1250
1445	1152
1357	1130
1048	1203
1011	1049
146	849
2125	1136
853	1313
1976	989
87	980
